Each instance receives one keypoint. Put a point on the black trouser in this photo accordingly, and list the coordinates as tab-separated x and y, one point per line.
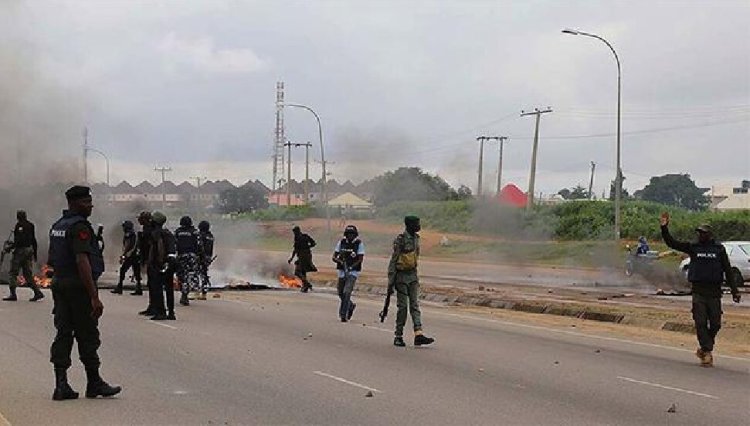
167	282
73	320
707	317
131	262
155	291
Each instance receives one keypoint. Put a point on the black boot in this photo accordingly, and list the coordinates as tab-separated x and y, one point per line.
171	316
138	291
12	296
352	307
399	341
118	289
63	390
97	386
420	340
38	295
184	300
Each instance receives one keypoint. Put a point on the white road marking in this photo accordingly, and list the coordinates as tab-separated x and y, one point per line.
180	392
163	325
660	386
577	334
348	382
378	328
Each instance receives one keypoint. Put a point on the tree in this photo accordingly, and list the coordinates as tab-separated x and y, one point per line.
411	184
576	193
463	193
613	190
675	190
246	198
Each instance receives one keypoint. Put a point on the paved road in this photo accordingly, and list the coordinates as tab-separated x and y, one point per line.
251	362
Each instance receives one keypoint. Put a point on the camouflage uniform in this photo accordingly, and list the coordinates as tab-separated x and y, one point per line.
406	283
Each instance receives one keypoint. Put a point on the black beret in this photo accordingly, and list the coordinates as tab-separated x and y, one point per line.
78	192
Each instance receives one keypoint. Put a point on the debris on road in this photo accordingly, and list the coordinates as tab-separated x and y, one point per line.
660	292
598	351
481	370
672	409
369	394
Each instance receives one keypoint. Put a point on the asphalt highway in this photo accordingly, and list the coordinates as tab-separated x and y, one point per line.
282	357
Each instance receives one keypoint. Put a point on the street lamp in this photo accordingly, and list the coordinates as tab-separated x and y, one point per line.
106	162
618	177
322	160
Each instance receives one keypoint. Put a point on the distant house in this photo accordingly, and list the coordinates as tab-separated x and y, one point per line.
350	202
728	197
511	195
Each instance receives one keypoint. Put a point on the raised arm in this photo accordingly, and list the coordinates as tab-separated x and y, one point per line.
669	240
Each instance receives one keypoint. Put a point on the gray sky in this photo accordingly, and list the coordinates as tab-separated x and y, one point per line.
191	84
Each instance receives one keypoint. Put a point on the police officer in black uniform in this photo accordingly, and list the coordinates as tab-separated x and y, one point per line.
709	265
188	253
24	249
77	262
145	239
207	243
129	258
162	265
303	245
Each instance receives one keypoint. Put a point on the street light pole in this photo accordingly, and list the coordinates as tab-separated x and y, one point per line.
618	177
106	162
322	160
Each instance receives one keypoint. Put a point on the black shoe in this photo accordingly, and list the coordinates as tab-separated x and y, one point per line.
138	292
116	290
420	340
304	289
101	388
147	313
159	317
11	298
171	316
344	320
399	341
352	307
37	296
63	390
184	300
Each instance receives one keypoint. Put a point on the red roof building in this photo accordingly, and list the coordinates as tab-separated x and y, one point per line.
512	196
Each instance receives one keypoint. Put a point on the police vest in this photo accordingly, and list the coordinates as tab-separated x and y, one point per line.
207	239
131	240
705	264
348	253
187	240
61	255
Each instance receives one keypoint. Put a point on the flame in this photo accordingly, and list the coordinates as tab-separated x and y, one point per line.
289	281
41	280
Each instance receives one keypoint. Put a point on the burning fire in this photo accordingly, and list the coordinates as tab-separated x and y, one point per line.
289	281
41	280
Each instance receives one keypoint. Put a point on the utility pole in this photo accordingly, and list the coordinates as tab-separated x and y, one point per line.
591	180
85	155
198	180
163	171
501	140
307	147
532	176
288	146
481	140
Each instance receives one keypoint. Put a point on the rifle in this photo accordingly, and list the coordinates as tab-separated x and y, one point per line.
100	237
7	247
391	284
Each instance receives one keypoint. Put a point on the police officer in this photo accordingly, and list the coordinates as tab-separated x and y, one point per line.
162	265
188	252
24	249
348	257
709	265
129	258
77	262
145	240
303	245
207	243
402	276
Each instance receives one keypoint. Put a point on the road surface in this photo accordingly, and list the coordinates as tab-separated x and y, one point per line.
281	357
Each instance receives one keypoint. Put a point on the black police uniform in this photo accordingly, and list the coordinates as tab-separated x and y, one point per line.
131	259
709	264
161	271
303	245
24	252
207	244
188	251
145	242
72	235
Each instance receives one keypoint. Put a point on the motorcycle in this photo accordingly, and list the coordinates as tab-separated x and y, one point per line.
639	263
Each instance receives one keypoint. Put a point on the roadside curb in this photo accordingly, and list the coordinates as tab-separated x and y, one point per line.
590	313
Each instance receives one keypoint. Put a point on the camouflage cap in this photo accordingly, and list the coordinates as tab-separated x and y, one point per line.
158	218
705	228
411	219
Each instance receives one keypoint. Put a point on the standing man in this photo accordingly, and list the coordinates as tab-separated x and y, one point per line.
129	258
709	264
303	245
348	256
207	243
76	259
24	249
188	251
145	241
162	262
402	276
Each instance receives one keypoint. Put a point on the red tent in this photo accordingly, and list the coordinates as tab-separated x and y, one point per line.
512	195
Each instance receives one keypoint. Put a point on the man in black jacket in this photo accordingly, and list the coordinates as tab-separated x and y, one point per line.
24	248
709	264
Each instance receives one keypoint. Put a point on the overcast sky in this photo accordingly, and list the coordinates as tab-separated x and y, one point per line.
191	85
